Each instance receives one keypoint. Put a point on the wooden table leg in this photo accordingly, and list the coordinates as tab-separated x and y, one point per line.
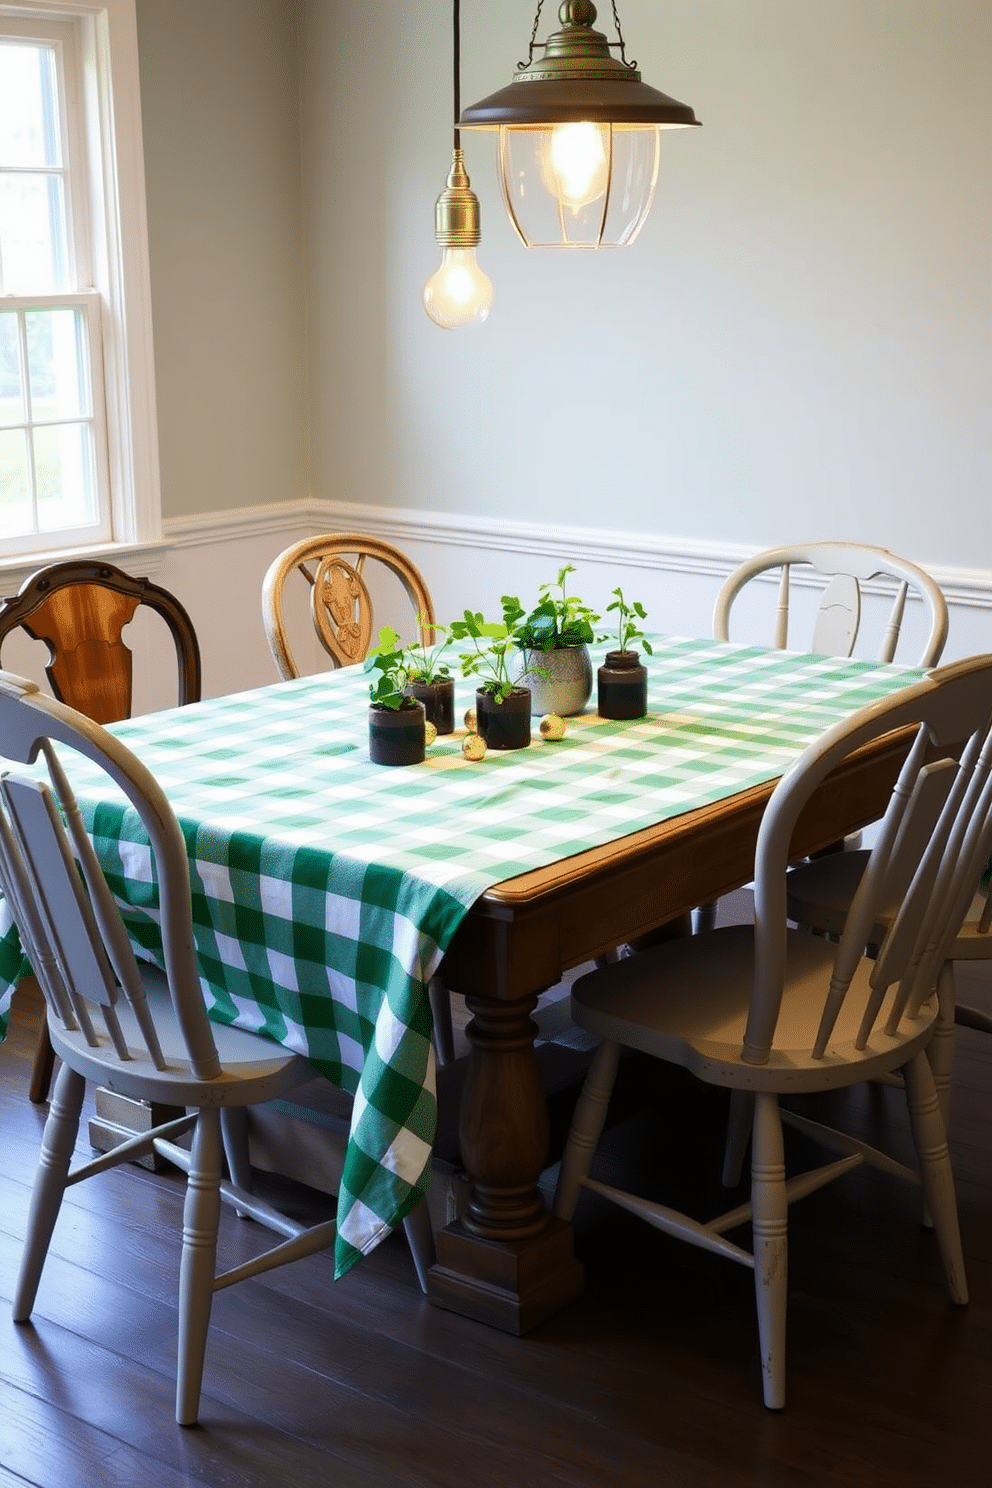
507	1262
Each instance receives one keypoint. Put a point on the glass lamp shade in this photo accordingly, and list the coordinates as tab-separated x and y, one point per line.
459	293
579	184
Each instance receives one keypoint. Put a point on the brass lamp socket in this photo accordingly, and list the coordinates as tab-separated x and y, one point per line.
456	212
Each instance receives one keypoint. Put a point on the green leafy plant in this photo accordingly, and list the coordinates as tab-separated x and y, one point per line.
394	668
556	621
425	659
627	629
492	646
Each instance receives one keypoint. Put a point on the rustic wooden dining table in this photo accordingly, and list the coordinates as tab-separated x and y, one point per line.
508	1262
327	890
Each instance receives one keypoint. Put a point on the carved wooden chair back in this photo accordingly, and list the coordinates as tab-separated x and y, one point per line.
846	566
79	608
341	606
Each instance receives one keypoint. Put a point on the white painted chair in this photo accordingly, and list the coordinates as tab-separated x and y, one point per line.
837	622
819	896
133	1029
770	1012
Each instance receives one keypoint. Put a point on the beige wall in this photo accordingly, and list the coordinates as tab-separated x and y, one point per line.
798	345
220	116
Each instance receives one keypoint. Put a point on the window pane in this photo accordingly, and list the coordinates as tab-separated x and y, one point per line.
29	126
15	500
33	245
11	389
63	468
56	365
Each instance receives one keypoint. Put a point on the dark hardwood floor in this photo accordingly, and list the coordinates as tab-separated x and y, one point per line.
652	1378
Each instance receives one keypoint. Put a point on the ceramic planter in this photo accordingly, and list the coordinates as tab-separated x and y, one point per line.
396	735
438	698
622	686
504	725
567	690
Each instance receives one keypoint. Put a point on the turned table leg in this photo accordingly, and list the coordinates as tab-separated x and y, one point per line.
507	1262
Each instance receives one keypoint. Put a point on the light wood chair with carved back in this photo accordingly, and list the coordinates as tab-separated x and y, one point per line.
343	616
341	606
769	1012
139	1030
79	609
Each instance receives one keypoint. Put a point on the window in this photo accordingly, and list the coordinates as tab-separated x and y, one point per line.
77	447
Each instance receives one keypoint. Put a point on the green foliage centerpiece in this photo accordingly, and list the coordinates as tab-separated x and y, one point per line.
554	640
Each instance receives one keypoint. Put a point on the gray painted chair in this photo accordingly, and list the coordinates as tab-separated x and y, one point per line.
770	1012
139	1031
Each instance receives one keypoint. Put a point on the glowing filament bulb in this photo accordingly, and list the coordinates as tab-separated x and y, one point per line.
578	163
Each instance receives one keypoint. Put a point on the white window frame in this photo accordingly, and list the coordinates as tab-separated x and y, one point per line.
116	228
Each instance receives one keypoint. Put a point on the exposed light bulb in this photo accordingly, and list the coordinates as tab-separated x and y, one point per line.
578	163
459	293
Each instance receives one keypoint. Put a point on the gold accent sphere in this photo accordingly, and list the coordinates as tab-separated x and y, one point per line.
471	722
552	727
474	747
430	733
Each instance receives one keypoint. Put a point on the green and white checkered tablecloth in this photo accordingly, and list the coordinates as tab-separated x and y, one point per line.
326	889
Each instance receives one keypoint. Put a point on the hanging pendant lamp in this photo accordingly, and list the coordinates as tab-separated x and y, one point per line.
579	137
459	293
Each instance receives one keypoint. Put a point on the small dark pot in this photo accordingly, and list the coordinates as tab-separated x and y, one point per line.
438	699
396	735
504	725
622	685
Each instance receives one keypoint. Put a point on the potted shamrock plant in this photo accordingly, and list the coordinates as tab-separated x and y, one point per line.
396	720
622	682
502	705
554	644
431	682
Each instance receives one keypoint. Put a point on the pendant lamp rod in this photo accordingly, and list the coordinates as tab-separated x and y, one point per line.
456	60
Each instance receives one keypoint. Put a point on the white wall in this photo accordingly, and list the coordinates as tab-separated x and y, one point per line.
220	119
798	345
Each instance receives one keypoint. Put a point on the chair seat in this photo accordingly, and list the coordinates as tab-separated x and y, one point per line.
254	1067
688	1001
820	894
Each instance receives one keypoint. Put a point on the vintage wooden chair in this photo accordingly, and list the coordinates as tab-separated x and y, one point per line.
773	1013
341	605
79	609
130	1027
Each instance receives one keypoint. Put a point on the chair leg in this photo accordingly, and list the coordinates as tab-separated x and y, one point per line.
201	1217
42	1067
419	1234
57	1146
440	1002
930	1138
739	1125
770	1230
940	1051
704	917
587	1124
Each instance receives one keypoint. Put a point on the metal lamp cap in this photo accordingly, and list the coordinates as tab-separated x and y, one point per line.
456	211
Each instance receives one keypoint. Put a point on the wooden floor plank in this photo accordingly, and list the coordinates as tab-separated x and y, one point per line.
651	1377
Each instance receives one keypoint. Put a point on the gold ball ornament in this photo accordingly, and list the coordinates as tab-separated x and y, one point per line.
471	722
430	734
474	747
552	727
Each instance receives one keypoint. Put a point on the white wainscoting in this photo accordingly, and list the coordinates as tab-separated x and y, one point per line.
215	564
